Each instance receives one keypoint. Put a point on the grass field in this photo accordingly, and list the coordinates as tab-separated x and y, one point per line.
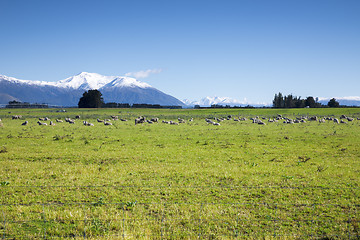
238	180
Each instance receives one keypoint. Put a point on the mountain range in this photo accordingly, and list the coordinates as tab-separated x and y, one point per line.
208	101
344	101
67	92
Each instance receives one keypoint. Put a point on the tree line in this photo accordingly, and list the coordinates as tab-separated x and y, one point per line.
291	101
94	99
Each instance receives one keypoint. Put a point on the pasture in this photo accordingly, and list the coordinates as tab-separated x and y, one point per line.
194	180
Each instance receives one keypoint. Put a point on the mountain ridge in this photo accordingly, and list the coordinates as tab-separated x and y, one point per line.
68	91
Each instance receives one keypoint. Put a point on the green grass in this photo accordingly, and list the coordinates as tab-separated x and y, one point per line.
193	180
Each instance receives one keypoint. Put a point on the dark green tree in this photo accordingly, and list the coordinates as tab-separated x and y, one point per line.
333	103
278	101
91	99
310	102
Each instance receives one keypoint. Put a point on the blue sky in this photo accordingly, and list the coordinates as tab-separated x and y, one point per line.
240	49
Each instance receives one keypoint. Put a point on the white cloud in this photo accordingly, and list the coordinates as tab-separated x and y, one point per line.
143	74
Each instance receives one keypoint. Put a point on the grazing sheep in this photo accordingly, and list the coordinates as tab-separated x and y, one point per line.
155	120
69	120
181	120
87	123
107	123
336	120
350	119
314	118
51	123
41	123
98	120
25	123
123	120
16	117
77	117
58	120
140	119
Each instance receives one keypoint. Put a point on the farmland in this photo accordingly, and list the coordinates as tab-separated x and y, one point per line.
239	180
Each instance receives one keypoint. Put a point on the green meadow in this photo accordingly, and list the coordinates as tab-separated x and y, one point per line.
194	180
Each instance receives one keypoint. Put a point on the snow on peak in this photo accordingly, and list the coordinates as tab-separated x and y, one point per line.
30	82
86	81
208	101
127	82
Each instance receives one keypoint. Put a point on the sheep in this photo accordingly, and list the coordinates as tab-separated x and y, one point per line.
25	123
350	119
107	123
51	123
77	117
181	120
58	120
16	117
336	120
123	120
140	119
87	123
69	120
98	120
155	120
41	123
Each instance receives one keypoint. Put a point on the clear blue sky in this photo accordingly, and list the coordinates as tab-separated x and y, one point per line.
240	49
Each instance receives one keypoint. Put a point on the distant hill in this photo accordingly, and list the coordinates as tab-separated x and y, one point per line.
208	101
67	92
345	101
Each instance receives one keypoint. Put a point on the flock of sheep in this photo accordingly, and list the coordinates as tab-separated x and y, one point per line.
213	121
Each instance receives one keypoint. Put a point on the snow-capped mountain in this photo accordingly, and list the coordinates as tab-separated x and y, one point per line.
87	81
208	101
345	101
67	92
